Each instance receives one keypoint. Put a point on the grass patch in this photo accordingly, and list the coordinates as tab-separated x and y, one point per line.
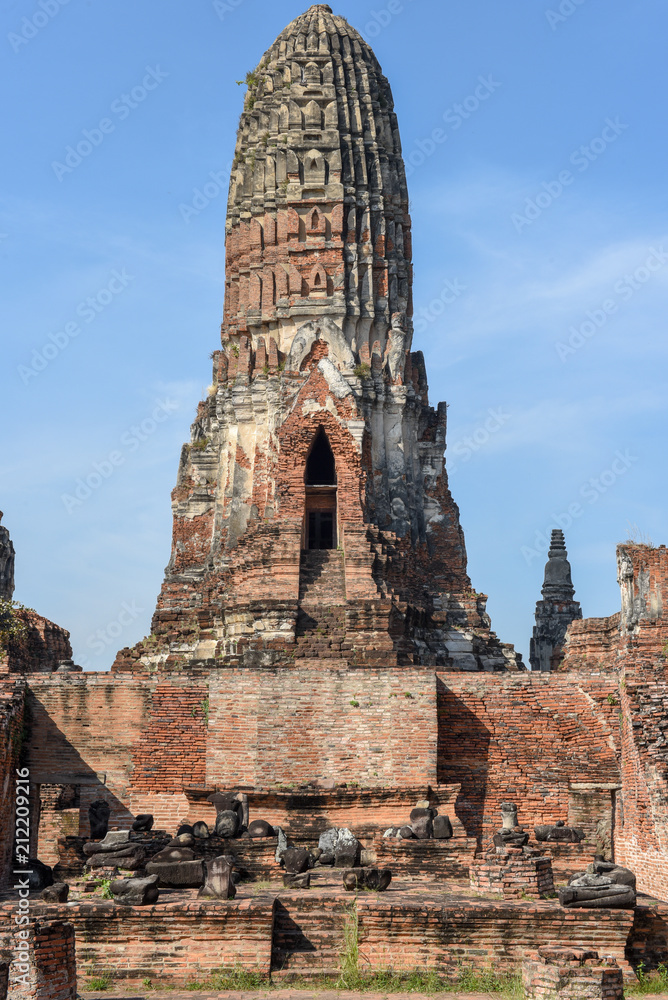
467	980
101	982
230	979
649	982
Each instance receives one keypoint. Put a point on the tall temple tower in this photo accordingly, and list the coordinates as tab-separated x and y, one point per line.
312	514
557	609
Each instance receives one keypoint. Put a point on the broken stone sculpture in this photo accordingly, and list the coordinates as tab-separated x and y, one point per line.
603	885
56	893
597	891
341	843
131	858
297	860
377	879
174	852
143	823
442	828
236	803
259	829
425	824
510	834
619	875
183	829
227	824
201	831
422	823
559	833
281	847
294	881
219	883
135	891
40	877
98	816
178	874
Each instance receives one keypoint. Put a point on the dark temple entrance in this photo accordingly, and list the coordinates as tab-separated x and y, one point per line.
320	479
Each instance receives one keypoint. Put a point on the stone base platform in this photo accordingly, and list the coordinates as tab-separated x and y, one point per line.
281	933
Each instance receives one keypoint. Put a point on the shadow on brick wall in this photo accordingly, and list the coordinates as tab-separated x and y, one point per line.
463	756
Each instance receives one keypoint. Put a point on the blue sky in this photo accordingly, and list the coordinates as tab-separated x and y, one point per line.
535	134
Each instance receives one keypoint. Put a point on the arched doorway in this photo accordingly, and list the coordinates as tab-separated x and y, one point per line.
320	527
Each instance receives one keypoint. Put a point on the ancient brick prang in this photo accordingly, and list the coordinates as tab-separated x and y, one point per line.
42	647
314	480
639	633
557	609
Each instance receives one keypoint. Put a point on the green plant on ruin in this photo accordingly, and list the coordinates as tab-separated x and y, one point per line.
200	445
100	982
664	652
408	695
235	350
349	976
265	369
283	187
105	885
612	700
204	705
355	704
12	625
649	982
236	979
362	370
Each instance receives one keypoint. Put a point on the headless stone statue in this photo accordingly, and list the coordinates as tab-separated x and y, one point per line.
6	564
559	833
98	815
604	885
510	834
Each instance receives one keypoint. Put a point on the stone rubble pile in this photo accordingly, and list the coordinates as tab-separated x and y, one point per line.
425	824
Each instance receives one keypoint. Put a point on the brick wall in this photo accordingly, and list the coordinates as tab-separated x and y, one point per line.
641	834
42	646
290	726
51	970
12	701
648	941
525	738
444	936
303	933
171	944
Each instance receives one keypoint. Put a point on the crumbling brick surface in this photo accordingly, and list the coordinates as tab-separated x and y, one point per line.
513	874
641	829
525	738
572	973
281	932
12	709
51	970
41	648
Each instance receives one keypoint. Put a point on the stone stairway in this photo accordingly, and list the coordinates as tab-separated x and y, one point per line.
322	577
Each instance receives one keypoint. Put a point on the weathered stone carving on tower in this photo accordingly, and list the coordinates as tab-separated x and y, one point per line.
557	609
6	564
313	499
